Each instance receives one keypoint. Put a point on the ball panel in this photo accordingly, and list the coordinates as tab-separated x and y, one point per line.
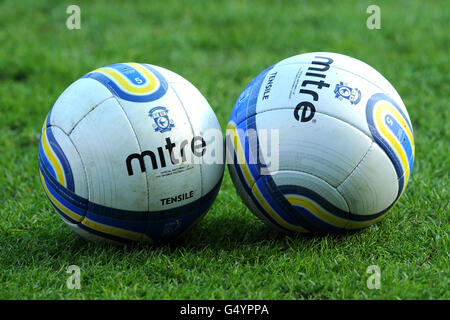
372	187
244	176
116	229
393	133
54	159
104	140
74	162
62	173
238	152
323	215
131	81
76	101
66	203
306	146
313	183
249	198
204	124
245	105
269	196
92	235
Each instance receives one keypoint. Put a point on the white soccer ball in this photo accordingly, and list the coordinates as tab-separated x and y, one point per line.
122	154
320	142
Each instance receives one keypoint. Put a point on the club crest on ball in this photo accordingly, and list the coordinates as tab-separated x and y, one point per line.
161	118
343	91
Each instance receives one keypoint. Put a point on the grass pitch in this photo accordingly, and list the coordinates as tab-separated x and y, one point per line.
220	47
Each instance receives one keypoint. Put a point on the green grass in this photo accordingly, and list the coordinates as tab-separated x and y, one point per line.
220	47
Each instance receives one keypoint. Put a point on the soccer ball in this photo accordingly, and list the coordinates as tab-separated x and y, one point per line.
320	142
122	154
